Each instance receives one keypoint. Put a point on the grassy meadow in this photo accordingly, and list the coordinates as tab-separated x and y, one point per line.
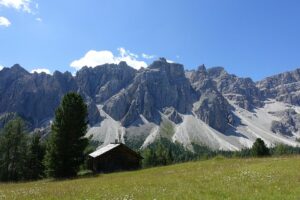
218	178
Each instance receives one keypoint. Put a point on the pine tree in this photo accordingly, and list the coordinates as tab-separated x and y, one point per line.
65	148
36	152
13	151
259	148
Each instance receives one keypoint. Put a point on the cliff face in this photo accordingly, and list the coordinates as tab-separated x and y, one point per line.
284	87
33	96
159	87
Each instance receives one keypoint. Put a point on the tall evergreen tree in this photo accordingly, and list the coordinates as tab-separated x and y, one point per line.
65	148
13	151
36	152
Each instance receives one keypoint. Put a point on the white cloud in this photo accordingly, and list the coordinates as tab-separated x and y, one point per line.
123	52
38	19
146	56
170	61
94	58
4	22
23	5
40	70
1	67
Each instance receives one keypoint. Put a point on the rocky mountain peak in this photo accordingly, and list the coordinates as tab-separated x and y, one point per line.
173	70
123	64
280	79
18	70
102	82
17	67
242	91
200	80
202	68
61	74
283	87
215	72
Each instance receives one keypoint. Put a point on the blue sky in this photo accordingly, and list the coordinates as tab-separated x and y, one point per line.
254	38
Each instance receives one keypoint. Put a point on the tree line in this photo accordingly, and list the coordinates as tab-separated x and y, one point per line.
21	156
165	152
27	157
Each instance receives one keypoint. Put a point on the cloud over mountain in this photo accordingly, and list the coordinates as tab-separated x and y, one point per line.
147	56
94	58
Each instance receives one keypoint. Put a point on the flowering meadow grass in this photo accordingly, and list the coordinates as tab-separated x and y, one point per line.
219	178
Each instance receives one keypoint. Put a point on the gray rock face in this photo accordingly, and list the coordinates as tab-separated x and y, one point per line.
102	82
283	87
33	96
173	115
242	91
289	123
159	86
36	96
200	80
94	117
214	110
211	107
280	79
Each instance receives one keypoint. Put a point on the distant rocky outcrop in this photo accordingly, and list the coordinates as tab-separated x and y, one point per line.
242	91
283	87
33	96
288	124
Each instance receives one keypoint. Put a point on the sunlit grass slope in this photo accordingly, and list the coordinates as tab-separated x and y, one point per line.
265	178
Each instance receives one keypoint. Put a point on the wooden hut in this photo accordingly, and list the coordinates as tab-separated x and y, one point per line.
114	157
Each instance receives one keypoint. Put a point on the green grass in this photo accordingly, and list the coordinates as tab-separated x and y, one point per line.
219	178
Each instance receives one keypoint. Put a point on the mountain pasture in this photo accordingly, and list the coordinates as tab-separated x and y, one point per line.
218	178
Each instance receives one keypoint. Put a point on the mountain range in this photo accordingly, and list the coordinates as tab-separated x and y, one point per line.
203	106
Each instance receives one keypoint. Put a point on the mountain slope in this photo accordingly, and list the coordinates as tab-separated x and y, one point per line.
204	106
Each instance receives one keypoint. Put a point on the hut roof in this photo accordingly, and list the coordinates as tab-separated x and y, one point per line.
112	146
103	150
